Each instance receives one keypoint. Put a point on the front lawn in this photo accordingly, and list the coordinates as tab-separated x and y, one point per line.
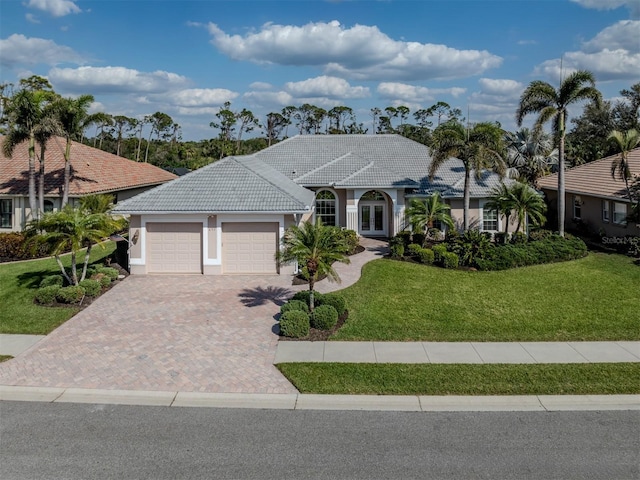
594	298
18	283
463	379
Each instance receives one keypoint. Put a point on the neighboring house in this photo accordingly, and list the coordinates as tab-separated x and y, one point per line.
593	197
229	216
93	171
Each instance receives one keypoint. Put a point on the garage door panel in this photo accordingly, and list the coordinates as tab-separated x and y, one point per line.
174	247
249	247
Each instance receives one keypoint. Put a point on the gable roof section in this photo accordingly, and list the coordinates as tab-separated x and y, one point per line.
93	171
594	178
234	184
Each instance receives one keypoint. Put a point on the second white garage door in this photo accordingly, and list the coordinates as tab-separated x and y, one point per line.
174	247
249	247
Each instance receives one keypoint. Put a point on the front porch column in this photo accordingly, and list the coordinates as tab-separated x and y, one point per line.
398	215
352	217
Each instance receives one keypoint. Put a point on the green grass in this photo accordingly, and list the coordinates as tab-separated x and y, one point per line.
18	283
4	358
463	379
594	298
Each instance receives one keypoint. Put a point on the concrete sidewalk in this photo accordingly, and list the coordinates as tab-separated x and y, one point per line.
14	345
458	352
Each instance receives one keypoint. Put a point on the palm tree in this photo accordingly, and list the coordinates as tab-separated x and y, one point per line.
501	200
530	154
26	112
72	229
316	247
625	142
527	204
550	104
73	116
423	214
479	148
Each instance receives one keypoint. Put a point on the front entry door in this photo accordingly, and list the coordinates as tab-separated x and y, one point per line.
373	219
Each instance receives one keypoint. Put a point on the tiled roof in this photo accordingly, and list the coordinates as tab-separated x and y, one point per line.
93	171
594	178
234	184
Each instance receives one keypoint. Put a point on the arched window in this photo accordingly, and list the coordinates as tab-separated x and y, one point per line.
372	195
326	207
48	206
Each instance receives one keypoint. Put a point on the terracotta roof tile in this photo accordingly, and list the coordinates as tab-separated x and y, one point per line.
594	178
93	171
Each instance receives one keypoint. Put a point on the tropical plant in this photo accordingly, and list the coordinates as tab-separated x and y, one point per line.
501	200
315	247
98	203
527	204
479	148
530	154
625	142
551	105
72	229
423	214
73	116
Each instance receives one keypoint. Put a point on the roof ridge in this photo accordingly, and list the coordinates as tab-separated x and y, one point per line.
317	169
357	172
277	186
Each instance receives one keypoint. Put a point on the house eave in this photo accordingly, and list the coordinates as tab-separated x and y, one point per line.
590	194
211	212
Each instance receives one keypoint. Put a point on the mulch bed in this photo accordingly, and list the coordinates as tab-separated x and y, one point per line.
319	335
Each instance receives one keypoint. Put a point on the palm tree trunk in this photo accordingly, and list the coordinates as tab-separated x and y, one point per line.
74	269
67	173
312	282
33	203
467	188
41	181
62	269
561	189
506	224
86	262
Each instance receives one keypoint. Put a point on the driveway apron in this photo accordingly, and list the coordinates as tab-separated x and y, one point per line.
182	333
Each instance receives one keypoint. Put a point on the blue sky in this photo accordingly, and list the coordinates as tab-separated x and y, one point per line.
186	58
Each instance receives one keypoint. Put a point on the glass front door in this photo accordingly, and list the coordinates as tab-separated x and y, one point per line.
373	219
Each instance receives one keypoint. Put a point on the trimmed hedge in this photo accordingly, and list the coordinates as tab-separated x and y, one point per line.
426	256
92	287
450	260
71	294
304	296
414	248
50	280
47	295
552	248
112	273
294	324
13	247
324	317
299	305
438	253
336	301
396	245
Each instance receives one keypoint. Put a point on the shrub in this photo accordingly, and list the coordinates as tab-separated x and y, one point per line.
540	234
71	294
414	248
112	273
518	237
470	246
419	238
14	246
92	287
304	296
294	324
426	256
299	305
405	235
350	238
438	253
47	295
336	301
324	317
396	245
501	238
450	260
52	280
104	280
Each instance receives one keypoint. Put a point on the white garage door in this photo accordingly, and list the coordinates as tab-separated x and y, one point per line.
174	247
249	247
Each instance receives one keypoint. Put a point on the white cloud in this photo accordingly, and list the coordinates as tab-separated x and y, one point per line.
115	79
18	49
501	87
261	86
200	97
361	52
31	18
324	86
622	35
57	8
268	99
632	5
527	42
401	92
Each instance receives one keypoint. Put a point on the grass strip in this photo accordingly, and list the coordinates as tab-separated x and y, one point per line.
4	358
463	379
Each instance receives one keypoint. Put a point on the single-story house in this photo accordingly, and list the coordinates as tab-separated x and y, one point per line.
93	171
594	198
229	216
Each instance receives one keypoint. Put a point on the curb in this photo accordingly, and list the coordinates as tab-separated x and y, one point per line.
402	403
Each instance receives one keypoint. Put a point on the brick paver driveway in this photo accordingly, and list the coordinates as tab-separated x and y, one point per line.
187	333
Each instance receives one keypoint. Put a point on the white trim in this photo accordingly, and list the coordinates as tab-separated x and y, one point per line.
481	209
337	205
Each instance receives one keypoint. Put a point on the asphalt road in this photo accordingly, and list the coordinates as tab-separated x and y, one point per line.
79	441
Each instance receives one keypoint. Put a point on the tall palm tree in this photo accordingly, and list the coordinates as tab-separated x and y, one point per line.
479	148
530	154
501	200
75	229
73	116
625	142
315	247
423	214
551	105
527	204
27	115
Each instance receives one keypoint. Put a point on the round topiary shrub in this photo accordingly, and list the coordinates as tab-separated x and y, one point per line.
324	317
336	301
426	256
103	279
450	260
50	280
299	305
92	288
414	248
438	253
112	273
304	296
71	294
294	324
47	295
